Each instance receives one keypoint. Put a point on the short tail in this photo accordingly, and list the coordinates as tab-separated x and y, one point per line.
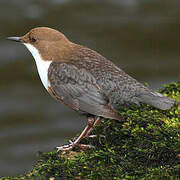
157	100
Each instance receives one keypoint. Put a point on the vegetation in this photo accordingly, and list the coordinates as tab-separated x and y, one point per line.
144	146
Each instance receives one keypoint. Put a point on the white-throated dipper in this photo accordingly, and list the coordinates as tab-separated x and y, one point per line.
84	80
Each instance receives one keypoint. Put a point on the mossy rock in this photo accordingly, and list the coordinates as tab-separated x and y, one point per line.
144	146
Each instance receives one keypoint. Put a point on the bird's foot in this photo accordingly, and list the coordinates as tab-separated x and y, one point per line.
95	136
65	147
71	145
86	146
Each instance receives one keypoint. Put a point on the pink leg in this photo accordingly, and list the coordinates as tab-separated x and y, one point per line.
85	132
98	120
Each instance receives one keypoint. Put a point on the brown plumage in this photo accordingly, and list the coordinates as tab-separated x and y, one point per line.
85	81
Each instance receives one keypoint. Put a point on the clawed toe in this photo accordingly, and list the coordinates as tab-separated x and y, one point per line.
63	148
95	136
86	146
72	145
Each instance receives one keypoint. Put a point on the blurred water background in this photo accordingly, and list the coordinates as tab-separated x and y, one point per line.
142	37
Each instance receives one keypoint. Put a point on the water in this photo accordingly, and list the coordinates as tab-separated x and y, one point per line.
141	37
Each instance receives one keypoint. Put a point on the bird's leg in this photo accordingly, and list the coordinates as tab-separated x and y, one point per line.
98	120
82	135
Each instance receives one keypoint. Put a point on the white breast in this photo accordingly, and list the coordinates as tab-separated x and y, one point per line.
42	66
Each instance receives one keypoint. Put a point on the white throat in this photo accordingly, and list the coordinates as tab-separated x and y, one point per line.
42	66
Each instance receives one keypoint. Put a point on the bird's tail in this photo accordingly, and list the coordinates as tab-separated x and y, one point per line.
157	100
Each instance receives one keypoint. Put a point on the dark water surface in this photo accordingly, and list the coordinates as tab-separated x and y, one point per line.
142	37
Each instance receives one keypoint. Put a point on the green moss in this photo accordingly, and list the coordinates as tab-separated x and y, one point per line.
144	146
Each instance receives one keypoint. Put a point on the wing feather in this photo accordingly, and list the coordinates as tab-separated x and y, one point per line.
78	89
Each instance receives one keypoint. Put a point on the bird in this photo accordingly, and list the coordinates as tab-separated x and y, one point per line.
84	80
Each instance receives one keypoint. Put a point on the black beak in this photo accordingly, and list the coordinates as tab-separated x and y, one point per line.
17	39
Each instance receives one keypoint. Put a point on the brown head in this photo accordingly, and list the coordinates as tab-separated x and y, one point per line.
51	44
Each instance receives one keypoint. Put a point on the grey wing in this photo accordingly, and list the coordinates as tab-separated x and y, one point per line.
77	88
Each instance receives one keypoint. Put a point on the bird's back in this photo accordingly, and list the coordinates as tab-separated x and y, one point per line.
120	88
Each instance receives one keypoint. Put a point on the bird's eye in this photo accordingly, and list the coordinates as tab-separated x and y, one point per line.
32	39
